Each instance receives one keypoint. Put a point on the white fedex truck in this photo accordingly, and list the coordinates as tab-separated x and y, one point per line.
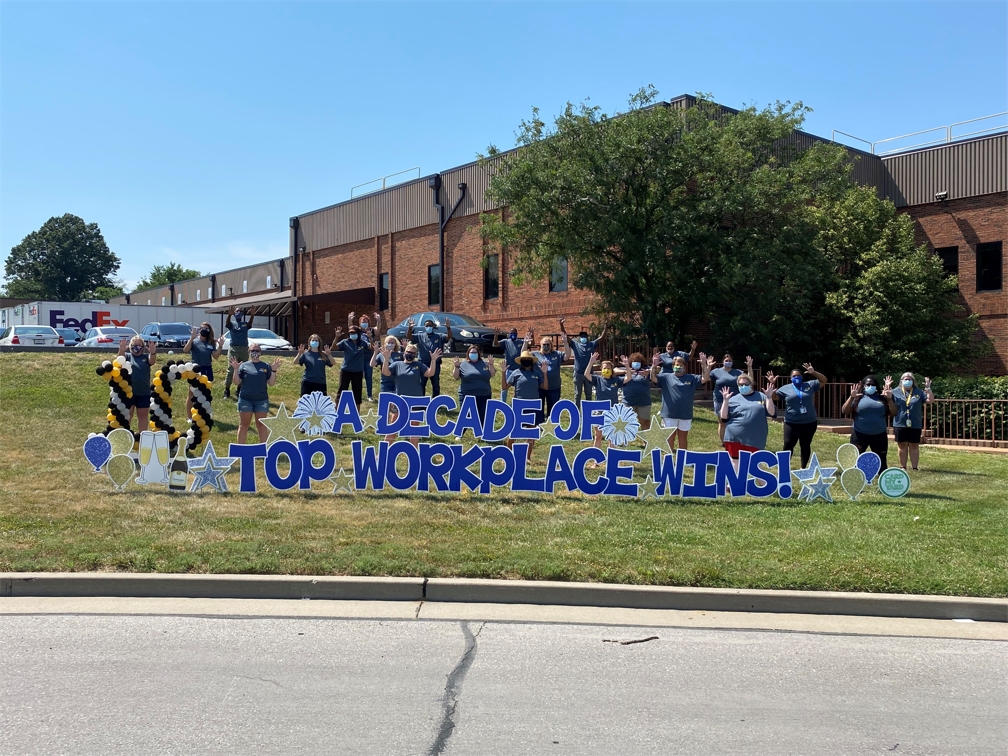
83	316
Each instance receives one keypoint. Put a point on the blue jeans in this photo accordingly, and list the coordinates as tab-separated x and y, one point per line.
261	405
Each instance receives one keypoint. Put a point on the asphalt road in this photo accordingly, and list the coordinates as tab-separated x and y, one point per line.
149	683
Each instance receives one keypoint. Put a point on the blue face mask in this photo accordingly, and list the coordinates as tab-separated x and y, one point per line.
728	364
365	325
583	339
870	389
313	344
473	356
513	335
353	337
907	383
745	389
635	365
429	329
796	380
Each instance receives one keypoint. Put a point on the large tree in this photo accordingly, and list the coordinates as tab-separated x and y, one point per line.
698	215
65	260
162	275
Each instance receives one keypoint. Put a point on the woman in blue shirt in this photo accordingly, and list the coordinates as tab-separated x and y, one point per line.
800	420
512	346
871	410
253	379
474	377
637	387
551	360
607	387
141	356
528	380
315	364
408	374
354	349
745	415
678	390
204	351
909	422
394	349
726	376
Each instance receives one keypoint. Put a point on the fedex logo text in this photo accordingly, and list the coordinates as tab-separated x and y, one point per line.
98	319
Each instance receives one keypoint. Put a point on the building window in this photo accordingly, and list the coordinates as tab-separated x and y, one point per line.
269	282
491	277
223	290
950	259
180	298
383	291
988	271
162	301
558	276
148	303
244	287
433	285
327	317
199	292
209	292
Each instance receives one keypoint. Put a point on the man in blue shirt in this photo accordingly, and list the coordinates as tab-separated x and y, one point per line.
583	347
512	346
238	323
551	360
428	342
671	353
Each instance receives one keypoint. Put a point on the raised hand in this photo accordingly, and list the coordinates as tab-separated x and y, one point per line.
339	332
655	359
301	349
887	386
436	355
194	334
855	390
562	323
655	352
624	361
276	364
123	344
458	362
808	367
490	361
409	324
771	380
707	361
328	351
748	362
377	317
726	393
530	336
234	363
220	341
352	315
595	357
927	383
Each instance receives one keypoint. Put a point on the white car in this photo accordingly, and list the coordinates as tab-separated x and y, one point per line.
31	335
105	337
264	337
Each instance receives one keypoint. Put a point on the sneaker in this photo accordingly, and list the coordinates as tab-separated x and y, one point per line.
227	393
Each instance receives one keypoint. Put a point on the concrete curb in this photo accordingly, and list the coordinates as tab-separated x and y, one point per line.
464	590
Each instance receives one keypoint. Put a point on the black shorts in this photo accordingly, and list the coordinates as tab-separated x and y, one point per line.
141	402
908	435
206	370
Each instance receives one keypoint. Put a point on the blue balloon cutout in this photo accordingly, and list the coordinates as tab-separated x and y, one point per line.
869	463
97	451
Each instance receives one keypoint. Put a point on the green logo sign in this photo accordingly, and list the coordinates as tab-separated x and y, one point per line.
894	482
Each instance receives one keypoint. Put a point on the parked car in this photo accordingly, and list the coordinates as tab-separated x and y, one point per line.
167	335
70	336
105	337
264	337
31	335
465	330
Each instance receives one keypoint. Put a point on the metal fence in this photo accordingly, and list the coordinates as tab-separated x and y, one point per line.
967	422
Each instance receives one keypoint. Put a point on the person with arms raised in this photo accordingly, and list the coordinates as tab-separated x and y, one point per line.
512	347
427	343
800	420
315	363
253	379
726	376
871	411
909	422
238	324
678	390
583	347
745	415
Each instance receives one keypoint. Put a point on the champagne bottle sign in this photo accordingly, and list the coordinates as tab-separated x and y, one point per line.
179	476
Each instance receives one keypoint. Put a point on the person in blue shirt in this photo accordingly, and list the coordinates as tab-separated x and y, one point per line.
429	341
528	380
582	348
253	378
204	351
238	324
678	390
637	387
552	360
352	370
369	337
474	377
394	349
315	363
726	376
408	375
871	410
141	357
745	415
671	353
607	386
800	421
512	346
909	422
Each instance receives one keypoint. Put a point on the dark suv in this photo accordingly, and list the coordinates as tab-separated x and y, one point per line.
168	335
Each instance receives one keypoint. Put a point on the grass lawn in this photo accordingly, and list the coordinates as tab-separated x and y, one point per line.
948	536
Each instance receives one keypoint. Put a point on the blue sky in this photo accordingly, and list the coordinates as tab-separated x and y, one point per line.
192	132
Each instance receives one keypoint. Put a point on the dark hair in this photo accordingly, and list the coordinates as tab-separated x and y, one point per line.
582	333
428	322
869	377
354	329
797	370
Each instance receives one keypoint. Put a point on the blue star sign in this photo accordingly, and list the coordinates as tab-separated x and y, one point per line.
815	480
209	470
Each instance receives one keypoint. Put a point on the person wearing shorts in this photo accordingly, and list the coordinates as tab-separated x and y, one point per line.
607	387
745	415
726	376
315	363
204	351
800	421
527	380
141	357
909	422
871	410
253	379
637	388
678	390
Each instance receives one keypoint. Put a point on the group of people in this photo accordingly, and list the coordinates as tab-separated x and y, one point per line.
408	365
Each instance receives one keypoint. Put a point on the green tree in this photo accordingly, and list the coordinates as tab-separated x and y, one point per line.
162	275
62	261
118	288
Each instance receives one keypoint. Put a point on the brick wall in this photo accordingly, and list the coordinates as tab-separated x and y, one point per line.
964	223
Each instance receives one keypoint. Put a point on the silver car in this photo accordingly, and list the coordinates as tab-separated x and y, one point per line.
264	337
31	335
105	338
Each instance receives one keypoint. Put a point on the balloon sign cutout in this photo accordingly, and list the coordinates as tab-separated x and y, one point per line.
853	482
846	456
121	440
870	464
97	451
121	469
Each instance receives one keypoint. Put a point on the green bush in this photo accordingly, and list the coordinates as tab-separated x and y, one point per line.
980	387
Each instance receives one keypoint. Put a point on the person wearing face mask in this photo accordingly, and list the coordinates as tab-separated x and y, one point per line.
871	410
528	380
678	390
253	379
726	376
369	337
394	350
637	387
583	347
800	421
315	363
513	346
408	375
909	422
429	341
352	369
474	376
671	353
238	324
141	357
745	415
551	359
607	387
204	351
